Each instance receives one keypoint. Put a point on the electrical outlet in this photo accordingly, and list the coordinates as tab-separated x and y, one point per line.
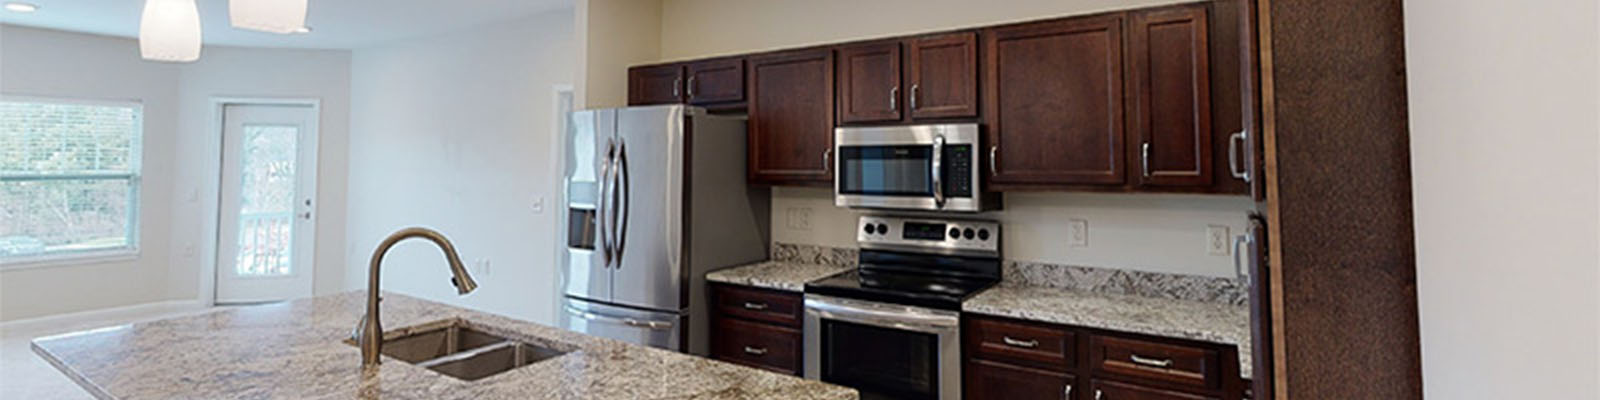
799	218
1217	240
1078	233
482	265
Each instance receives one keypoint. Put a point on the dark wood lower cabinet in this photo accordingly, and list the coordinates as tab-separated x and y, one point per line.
993	380
756	328
1111	390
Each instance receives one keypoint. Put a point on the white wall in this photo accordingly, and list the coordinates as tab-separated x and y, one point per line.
323	75
1161	233
455	132
180	158
1503	103
46	63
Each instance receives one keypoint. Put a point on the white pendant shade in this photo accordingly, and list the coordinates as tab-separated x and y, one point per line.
276	16
169	30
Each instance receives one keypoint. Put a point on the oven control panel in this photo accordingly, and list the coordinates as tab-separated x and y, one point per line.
934	235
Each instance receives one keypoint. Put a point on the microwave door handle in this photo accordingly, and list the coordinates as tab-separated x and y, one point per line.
938	172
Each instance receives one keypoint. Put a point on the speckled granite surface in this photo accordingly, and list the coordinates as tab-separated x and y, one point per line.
818	255
1210	322
296	350
1120	281
780	275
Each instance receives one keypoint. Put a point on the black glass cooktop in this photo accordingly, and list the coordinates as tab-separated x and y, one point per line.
912	289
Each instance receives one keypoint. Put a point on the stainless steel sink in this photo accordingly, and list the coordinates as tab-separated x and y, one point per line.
453	347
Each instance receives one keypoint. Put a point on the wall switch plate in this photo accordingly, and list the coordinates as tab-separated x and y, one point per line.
538	205
1217	240
1078	233
799	218
482	265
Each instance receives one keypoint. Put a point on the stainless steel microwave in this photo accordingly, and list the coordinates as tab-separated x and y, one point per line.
918	167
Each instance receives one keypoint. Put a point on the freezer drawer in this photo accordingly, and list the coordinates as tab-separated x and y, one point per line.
650	328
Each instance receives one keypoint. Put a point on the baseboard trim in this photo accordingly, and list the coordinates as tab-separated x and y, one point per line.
91	317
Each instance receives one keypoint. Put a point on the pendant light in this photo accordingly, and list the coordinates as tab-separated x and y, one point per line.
276	16
169	30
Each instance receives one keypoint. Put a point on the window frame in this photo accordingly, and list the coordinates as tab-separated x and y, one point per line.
134	177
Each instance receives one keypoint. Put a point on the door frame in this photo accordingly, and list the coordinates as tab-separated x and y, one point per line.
211	190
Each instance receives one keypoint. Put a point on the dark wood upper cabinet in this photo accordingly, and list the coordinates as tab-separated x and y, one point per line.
869	82
943	74
655	84
1053	101
992	380
714	81
1169	69
791	117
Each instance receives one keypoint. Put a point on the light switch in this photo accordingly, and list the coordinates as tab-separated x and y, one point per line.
1078	233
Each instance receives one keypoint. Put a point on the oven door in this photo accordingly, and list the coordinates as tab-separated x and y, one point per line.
883	350
925	167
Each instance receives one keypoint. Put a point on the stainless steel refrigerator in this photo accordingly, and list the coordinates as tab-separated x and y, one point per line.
656	197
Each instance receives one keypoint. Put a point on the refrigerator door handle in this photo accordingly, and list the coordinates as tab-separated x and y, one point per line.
603	208
622	202
589	316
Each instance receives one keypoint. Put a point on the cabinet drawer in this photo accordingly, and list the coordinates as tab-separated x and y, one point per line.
1185	365
1023	343
757	345
991	380
1109	390
757	304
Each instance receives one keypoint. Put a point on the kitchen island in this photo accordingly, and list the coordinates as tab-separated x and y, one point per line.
297	349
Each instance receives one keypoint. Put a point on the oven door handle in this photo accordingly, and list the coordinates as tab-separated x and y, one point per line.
938	172
919	322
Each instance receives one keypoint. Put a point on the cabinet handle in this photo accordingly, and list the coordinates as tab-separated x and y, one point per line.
992	151
1150	362
914	96
1026	344
827	157
1098	395
690	90
894	98
755	306
1239	170
1239	267
1144	159
1066	394
755	350
676	84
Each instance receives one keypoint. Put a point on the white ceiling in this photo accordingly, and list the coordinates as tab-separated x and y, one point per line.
336	24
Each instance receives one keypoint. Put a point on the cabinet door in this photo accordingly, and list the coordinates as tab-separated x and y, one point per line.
944	76
1108	390
869	82
656	84
791	117
715	81
1053	103
1171	117
992	380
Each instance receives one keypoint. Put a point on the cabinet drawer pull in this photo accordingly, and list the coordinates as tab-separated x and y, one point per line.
1150	362
755	306
1027	344
755	350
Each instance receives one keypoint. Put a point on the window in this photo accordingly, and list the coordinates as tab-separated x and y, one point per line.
69	179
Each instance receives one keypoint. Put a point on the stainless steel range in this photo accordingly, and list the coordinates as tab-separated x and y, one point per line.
891	328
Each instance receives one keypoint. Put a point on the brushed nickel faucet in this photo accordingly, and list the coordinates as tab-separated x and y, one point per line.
369	332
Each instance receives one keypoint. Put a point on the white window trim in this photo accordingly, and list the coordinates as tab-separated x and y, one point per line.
135	179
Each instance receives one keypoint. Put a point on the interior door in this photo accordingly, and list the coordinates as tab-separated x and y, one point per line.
650	180
266	236
590	142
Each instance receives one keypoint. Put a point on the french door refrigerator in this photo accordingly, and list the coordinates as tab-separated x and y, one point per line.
656	197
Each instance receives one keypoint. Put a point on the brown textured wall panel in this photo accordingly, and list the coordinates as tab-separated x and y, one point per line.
1344	200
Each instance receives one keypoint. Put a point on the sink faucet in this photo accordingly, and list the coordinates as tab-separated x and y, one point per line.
369	333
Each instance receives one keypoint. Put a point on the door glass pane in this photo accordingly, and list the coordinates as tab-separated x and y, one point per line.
267	195
880	362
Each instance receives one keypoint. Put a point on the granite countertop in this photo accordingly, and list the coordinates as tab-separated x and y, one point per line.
1208	322
296	350
780	275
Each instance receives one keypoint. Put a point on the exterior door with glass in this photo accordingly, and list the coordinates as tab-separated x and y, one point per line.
266	232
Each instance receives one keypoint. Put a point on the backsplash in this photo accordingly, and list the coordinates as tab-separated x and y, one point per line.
1090	279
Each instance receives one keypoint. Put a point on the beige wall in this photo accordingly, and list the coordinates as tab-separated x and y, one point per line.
1162	233
613	35
1504	153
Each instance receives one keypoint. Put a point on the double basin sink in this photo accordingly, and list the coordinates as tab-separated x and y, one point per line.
454	347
